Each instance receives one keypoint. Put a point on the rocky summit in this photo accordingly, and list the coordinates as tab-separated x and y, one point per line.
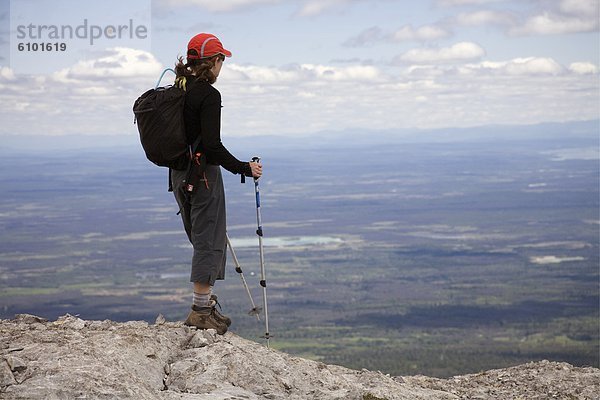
71	358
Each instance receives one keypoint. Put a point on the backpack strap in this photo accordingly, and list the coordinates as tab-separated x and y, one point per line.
181	82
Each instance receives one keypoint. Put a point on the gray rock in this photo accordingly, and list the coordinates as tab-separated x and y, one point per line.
16	364
201	338
69	321
6	376
29	319
160	320
73	358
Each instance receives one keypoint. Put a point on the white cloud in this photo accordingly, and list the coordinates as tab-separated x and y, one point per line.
405	33
316	7
583	68
552	17
354	73
311	8
571	16
422	33
94	96
304	98
7	74
517	66
461	51
307	8
299	73
466	2
485	17
117	62
366	37
93	91
580	7
219	6
549	24
257	73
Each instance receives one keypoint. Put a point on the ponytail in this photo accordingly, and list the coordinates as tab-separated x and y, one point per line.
201	69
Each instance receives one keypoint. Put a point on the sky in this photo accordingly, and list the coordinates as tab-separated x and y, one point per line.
305	66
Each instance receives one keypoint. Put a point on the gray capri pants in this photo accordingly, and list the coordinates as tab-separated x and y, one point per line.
204	220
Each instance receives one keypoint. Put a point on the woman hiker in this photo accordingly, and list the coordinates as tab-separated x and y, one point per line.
203	212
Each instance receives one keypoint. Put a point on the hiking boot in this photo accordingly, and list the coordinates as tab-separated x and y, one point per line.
218	316
204	318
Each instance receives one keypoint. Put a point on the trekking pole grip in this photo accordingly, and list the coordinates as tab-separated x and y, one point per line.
255	159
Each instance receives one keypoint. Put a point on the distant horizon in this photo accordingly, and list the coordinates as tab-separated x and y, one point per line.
495	131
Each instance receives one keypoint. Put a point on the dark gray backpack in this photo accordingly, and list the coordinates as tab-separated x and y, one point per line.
159	116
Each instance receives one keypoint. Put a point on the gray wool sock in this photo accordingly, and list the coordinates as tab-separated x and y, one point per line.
201	300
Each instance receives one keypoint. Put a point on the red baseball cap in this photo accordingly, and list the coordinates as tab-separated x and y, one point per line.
205	45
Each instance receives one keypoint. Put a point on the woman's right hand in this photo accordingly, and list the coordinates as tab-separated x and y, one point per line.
256	169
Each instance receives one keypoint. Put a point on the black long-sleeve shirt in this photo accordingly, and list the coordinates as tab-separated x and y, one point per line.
202	116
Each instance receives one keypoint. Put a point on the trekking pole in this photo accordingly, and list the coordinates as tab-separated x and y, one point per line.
259	232
255	310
